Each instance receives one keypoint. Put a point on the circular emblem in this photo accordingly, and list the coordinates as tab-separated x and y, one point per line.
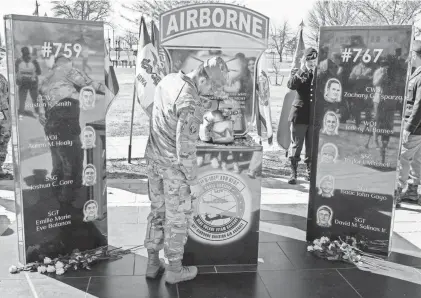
193	129
223	212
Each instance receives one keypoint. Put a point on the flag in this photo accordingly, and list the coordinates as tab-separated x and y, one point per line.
110	79
263	98
147	73
163	65
299	50
283	136
36	12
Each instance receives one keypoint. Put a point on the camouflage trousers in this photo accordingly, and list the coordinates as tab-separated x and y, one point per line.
5	133
171	211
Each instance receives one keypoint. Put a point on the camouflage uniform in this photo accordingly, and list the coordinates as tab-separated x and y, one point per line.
172	168
5	124
60	99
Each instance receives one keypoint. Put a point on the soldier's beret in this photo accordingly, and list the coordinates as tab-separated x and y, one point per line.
217	70
416	46
310	53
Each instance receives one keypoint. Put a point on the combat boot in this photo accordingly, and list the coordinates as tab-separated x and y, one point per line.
308	167
398	199
411	193
155	265
152	270
293	178
184	274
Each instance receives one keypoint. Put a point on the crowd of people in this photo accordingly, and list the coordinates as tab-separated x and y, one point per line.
373	90
56	101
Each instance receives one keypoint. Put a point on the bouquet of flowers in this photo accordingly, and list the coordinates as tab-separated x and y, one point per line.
349	250
75	261
339	250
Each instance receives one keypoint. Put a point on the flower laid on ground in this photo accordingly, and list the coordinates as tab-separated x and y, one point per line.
75	261
13	269
351	251
339	250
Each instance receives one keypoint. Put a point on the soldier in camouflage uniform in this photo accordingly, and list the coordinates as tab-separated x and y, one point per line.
59	114
172	164
5	124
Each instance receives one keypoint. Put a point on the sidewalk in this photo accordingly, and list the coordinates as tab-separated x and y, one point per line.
284	265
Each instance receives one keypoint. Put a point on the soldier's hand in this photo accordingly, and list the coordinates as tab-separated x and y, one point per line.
294	71
196	190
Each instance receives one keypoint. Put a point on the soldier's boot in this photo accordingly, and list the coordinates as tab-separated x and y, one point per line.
293	177
177	273
155	265
308	169
383	154
398	195
411	193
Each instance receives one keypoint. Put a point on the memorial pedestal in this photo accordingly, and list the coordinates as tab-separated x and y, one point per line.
225	224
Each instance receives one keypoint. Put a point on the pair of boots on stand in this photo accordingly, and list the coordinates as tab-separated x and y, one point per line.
294	170
411	194
175	271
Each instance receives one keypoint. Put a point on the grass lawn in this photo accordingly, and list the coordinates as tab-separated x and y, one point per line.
118	124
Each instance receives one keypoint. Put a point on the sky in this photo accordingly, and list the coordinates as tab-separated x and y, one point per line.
276	10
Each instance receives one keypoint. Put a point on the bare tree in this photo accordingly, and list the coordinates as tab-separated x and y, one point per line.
394	12
153	8
279	38
291	45
331	13
276	70
82	9
131	38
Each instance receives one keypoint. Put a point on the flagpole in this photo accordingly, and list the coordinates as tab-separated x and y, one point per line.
131	124
133	105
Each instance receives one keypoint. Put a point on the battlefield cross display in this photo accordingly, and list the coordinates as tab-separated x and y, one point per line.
56	75
361	82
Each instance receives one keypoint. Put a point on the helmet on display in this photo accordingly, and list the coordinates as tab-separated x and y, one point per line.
216	128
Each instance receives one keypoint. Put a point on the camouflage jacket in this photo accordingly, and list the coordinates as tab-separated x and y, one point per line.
4	99
174	125
64	81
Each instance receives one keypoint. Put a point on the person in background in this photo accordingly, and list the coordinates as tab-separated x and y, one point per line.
361	77
301	80
410	158
172	164
59	114
27	72
5	125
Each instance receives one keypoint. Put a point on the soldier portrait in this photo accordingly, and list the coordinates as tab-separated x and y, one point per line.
88	137
89	175
90	211
87	98
324	216
329	153
333	91
327	186
330	124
